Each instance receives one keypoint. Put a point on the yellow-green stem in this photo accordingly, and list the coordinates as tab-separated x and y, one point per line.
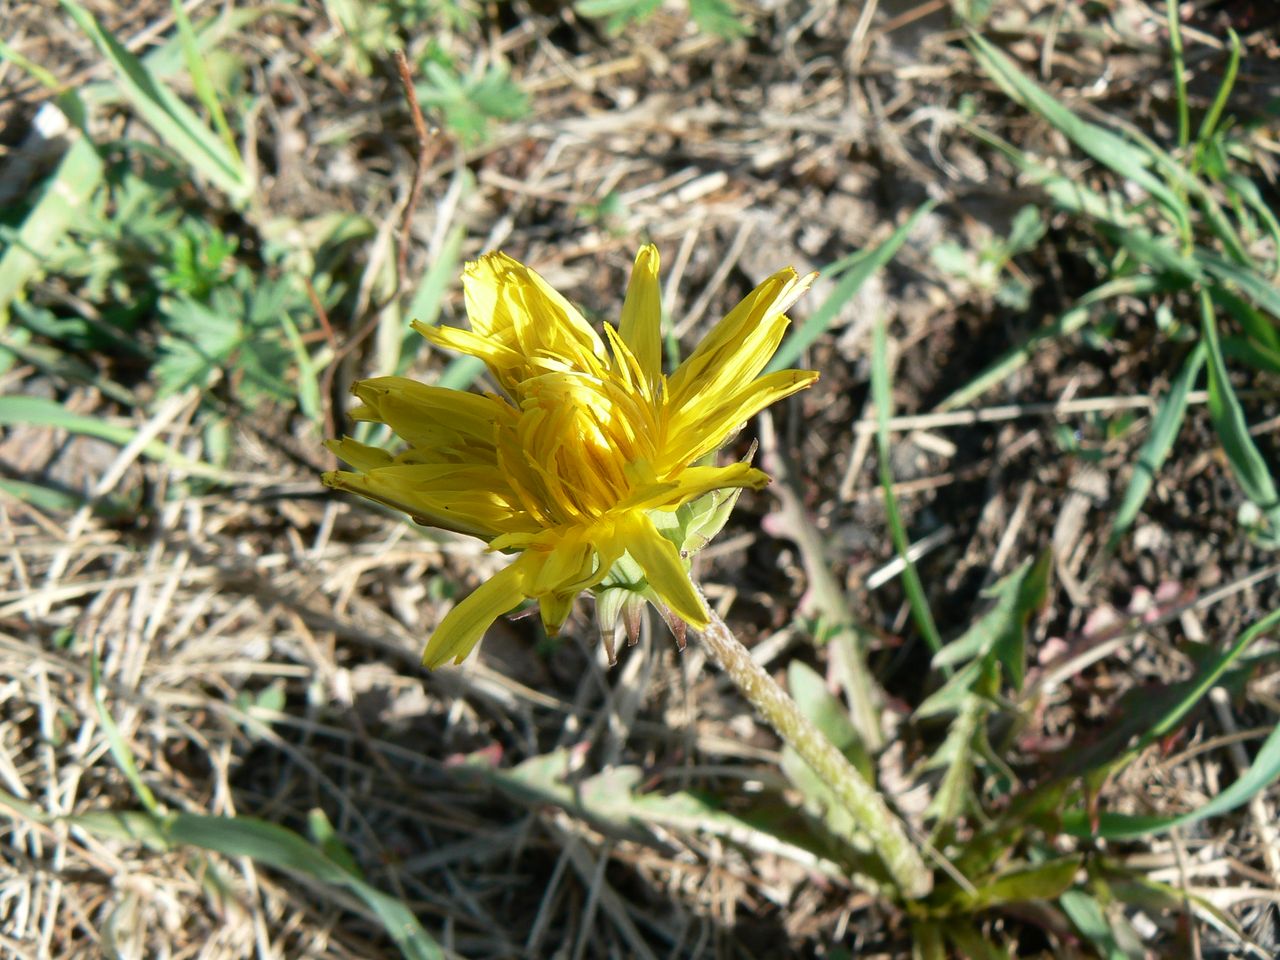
886	832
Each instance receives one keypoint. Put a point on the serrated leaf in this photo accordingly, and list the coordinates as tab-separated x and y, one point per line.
720	18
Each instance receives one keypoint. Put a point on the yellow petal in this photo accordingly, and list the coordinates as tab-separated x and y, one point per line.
504	362
693	482
465	624
704	427
664	570
514	307
740	345
359	455
465	501
641	324
428	415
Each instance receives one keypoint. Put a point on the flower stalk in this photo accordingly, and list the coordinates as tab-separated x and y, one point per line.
888	835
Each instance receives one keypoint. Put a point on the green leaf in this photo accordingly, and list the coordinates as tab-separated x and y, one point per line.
173	121
882	395
60	207
469	104
1117	826
1042	881
1247	463
617	14
43	412
1164	430
719	18
1086	913
1002	630
1113	151
1067	324
857	270
424	307
278	847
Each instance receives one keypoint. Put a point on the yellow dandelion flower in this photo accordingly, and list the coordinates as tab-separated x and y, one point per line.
586	467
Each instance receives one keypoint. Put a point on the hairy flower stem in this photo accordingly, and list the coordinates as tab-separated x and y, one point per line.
885	831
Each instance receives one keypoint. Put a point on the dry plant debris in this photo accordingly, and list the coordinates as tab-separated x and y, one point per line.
186	594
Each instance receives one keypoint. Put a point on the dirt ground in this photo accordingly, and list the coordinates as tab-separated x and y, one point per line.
259	636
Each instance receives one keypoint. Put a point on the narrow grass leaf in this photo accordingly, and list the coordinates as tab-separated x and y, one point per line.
1251	470
1257	326
1116	826
1086	913
1069	323
173	121
1252	285
425	305
308	378
60	206
1164	430
854	276
1246	351
57	501
117	743
883	398
1248	192
278	847
1209	125
40	411
1109	149
461	373
201	82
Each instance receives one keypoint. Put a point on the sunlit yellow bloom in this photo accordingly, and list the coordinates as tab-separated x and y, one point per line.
579	467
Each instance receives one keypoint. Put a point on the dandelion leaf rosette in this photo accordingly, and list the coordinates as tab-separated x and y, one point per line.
593	468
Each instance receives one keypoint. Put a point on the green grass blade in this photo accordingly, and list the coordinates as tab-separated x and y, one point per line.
855	276
173	121
1207	677
1246	351
883	399
1210	122
1248	191
1115	826
1250	469
424	307
40	411
58	501
1086	913
278	847
201	82
1164	430
1109	149
461	373
265	843
1179	73
61	205
1067	324
308	381
116	741
1254	286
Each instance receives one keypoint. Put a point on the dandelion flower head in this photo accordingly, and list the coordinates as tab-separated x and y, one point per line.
582	464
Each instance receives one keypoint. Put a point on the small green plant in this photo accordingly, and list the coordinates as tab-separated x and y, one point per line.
471	103
988	268
720	18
